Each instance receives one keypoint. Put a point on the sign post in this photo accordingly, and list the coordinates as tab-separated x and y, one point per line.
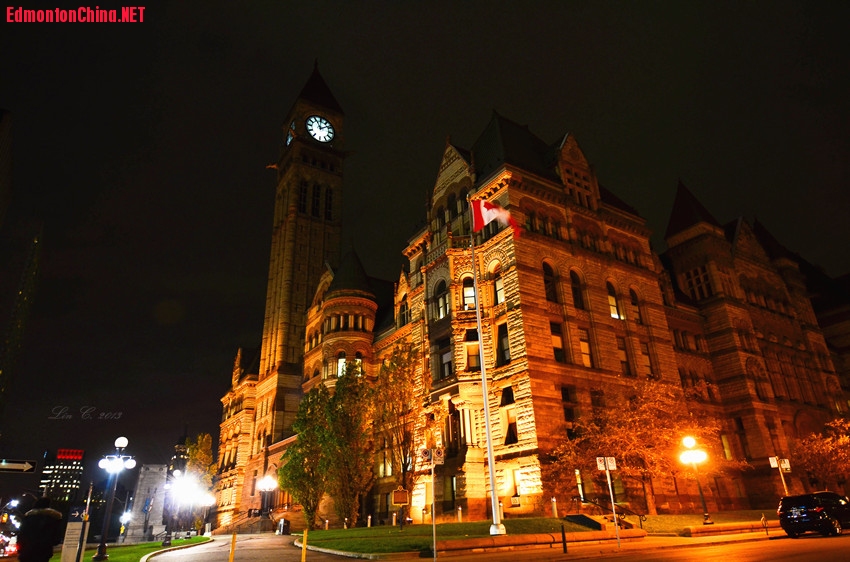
784	465
608	464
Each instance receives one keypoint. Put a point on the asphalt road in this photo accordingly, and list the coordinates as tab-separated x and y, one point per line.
753	548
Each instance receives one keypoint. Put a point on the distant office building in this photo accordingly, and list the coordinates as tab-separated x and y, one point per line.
61	478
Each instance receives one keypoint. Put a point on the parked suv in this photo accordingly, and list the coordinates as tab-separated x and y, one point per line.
824	512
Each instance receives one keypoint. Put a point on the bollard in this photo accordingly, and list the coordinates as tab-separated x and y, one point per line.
459	514
369	521
345	524
326	524
564	537
395	516
232	547
554	507
304	547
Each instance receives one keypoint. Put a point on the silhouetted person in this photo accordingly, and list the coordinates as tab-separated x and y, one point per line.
41	528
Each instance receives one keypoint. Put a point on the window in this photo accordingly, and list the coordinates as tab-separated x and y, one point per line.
698	284
473	351
302	197
635	306
442	300
613	305
329	200
403	312
498	287
511	435
578	294
597	401
468	294
441	357
646	361
340	364
623	355
569	400
550	283
584	347
503	350
317	199
509	415
557	341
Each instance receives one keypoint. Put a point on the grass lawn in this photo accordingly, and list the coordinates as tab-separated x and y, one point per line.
677	523
134	552
419	537
383	539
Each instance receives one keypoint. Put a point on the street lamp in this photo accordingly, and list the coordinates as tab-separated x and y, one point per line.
693	457
266	485
113	465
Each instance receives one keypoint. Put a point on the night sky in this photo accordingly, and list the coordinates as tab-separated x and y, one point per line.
142	149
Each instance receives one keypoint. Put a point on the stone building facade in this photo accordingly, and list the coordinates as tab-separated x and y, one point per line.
577	308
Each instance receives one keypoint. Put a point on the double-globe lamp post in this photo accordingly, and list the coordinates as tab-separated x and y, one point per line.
113	465
693	457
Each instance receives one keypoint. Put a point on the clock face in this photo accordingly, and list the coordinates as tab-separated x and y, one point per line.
320	129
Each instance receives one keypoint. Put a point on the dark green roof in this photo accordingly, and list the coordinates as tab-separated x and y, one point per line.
350	277
506	142
687	211
317	91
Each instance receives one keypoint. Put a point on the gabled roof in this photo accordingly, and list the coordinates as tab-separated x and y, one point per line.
687	211
506	142
316	91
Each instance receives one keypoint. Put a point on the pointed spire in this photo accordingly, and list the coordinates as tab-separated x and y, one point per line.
316	91
687	211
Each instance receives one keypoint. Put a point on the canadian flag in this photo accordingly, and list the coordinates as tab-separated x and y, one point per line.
485	212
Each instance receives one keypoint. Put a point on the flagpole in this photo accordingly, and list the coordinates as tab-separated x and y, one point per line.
497	528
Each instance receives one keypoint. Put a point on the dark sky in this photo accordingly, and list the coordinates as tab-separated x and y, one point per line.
143	149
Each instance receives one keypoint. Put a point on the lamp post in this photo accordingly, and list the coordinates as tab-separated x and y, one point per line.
266	485
113	465
693	457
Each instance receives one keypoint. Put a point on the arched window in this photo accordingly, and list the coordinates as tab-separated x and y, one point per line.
441	300
468	294
340	364
403	312
635	306
578	293
498	286
550	283
613	305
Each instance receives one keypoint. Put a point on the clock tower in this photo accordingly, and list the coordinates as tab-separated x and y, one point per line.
305	236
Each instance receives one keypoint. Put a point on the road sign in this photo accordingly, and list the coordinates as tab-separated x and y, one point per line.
784	465
7	465
603	463
774	462
425	454
439	456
